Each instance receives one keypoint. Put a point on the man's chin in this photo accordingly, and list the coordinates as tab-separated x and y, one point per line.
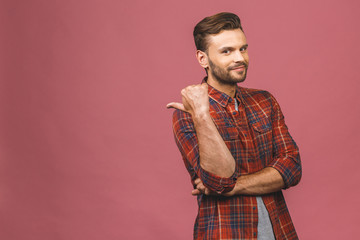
238	80
231	81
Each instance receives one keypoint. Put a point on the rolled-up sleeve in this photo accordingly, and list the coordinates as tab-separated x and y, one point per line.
286	157
187	142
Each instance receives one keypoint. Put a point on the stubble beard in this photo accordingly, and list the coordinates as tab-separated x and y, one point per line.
224	76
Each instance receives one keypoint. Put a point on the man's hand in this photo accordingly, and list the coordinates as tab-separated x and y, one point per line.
201	189
195	100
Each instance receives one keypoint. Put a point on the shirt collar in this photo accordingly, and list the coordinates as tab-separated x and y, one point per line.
222	98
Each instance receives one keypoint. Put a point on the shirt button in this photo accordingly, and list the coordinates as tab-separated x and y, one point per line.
234	113
254	208
245	135
254	234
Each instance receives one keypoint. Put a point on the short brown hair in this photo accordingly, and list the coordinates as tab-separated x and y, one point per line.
213	25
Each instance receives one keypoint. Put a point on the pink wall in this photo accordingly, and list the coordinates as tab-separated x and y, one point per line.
87	150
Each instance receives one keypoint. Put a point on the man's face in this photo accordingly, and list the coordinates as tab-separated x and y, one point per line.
228	57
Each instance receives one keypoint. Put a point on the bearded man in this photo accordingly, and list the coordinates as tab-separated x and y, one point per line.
234	142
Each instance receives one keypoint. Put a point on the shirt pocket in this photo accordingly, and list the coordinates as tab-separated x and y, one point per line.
262	131
262	126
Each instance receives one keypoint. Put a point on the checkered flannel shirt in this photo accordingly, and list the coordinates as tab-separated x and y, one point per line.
257	137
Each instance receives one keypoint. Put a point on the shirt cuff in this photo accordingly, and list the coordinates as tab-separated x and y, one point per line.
285	167
218	184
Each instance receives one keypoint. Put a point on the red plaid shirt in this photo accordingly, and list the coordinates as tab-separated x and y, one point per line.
257	137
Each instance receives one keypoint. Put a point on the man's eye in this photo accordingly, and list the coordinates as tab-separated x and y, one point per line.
226	51
243	49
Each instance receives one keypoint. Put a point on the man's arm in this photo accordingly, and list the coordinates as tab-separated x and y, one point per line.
283	171
286	158
208	153
267	180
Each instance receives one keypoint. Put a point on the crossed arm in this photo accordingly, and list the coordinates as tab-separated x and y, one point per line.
215	157
267	180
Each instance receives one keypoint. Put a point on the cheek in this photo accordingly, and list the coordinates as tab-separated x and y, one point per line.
225	63
246	58
221	64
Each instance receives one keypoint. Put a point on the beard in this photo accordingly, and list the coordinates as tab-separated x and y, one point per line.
225	76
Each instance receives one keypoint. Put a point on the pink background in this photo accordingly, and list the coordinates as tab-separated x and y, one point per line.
87	150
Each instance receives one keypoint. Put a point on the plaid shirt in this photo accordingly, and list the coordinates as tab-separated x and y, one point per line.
257	137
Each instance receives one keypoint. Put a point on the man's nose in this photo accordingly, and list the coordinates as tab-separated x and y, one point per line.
238	57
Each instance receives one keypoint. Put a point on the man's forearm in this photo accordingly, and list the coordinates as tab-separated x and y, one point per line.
267	180
215	156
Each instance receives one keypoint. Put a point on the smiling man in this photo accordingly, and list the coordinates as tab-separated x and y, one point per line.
234	142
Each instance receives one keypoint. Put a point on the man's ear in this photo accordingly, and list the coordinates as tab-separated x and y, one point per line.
202	59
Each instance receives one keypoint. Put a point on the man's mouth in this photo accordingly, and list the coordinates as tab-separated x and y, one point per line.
239	68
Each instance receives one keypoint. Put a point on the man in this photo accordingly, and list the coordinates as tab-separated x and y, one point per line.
234	142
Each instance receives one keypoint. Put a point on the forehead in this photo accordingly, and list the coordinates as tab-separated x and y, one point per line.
227	38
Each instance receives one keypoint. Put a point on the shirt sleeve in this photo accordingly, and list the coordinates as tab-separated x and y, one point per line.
286	153
187	142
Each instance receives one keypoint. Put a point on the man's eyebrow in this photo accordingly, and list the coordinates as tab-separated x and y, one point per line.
232	48
226	48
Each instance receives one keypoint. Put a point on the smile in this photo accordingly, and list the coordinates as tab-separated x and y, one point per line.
239	69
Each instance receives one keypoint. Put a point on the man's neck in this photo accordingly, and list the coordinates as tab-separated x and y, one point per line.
228	89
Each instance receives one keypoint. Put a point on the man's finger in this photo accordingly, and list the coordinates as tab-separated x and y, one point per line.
197	181
207	191
176	105
201	187
195	192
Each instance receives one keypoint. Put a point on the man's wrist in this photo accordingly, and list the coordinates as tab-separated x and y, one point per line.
201	116
239	187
